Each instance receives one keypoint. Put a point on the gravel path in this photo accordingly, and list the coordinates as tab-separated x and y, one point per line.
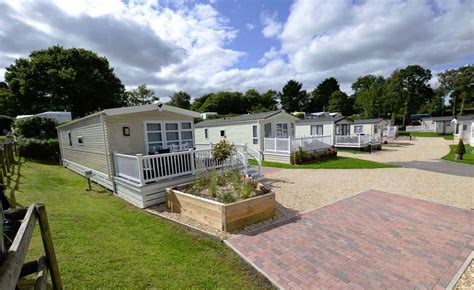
305	189
419	149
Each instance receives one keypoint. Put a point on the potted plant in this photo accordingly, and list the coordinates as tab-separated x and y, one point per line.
460	150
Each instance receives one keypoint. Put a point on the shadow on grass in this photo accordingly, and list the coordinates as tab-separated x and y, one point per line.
12	183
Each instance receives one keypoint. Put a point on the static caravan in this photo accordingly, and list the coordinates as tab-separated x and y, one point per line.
440	125
464	128
368	126
324	126
270	134
134	151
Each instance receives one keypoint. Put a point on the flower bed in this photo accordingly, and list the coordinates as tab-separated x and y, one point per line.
227	202
304	157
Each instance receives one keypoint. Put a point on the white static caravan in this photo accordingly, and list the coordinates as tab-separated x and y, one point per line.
464	129
247	129
324	126
132	151
440	125
369	126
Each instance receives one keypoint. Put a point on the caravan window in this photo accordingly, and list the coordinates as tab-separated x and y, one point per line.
206	133
358	129
255	134
70	138
317	130
282	130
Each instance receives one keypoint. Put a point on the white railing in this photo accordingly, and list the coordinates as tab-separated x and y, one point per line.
419	128
357	140
390	131
288	145
144	169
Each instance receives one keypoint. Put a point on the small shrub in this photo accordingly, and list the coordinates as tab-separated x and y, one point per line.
212	185
223	150
228	198
41	149
460	149
36	127
303	157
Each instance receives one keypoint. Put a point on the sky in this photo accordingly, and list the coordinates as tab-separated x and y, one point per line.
212	45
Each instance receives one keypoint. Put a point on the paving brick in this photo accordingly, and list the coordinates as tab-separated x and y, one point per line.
370	240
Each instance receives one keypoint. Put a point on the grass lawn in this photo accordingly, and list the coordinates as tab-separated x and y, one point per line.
101	241
338	163
428	134
468	157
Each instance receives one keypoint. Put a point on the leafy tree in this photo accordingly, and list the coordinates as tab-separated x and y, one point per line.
408	90
320	96
370	97
458	84
36	127
141	96
340	102
181	100
435	106
292	97
198	102
59	79
255	102
225	103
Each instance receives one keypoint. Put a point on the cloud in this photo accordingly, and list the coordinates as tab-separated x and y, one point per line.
271	26
181	46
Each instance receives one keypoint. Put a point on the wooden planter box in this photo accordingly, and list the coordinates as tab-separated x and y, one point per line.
227	217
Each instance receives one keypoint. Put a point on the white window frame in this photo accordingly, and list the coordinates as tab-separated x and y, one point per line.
220	133
316	130
356	127
163	132
287	130
255	136
82	140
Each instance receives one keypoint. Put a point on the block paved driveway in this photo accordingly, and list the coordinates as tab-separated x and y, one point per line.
371	240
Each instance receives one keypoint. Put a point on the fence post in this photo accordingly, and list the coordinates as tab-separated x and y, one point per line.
358	139
140	169
193	169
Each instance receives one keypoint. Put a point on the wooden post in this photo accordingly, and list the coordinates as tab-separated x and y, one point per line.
193	169
140	169
48	246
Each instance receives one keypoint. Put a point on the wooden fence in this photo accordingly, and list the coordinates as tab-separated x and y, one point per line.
7	158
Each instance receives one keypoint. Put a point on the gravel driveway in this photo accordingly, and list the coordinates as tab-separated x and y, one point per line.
305	189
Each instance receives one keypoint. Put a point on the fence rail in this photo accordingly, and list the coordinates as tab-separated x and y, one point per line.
288	145
144	169
357	140
419	128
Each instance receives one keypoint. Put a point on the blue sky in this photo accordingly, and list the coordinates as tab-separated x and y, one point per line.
203	46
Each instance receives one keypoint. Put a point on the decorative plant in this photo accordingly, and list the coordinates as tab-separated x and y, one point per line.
460	149
223	150
212	185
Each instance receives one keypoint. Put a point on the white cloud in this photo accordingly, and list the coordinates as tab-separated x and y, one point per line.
271	26
187	47
250	26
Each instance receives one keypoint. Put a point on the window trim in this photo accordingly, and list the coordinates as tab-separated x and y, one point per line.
316	131
163	132
255	136
80	140
361	129
287	129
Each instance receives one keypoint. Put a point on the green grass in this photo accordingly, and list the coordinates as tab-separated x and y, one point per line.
337	163
468	157
426	134
101	241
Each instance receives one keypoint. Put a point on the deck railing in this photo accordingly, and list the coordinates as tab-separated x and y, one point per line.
291	144
419	128
357	140
144	169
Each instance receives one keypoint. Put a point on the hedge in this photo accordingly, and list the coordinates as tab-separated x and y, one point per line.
36	127
303	157
41	149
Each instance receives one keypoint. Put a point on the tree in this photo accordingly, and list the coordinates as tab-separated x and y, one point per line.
141	96
408	90
340	102
181	100
268	102
293	98
76	80
198	102
370	97
320	95
225	103
458	84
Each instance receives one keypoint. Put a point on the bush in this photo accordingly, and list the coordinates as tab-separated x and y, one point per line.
460	149
5	124
223	150
41	149
303	157
36	127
